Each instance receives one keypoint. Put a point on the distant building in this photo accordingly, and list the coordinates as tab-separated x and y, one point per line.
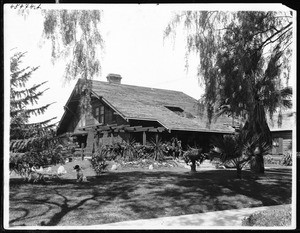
282	135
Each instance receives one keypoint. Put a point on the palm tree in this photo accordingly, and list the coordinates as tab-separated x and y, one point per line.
239	149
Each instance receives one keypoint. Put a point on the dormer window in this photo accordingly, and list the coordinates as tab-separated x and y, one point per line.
175	109
180	112
99	114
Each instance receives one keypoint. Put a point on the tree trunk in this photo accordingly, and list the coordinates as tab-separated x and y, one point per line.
257	125
260	164
193	166
257	164
239	172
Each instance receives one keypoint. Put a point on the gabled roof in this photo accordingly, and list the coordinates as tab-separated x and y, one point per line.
153	104
144	103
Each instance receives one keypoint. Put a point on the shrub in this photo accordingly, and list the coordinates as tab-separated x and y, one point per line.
127	152
240	150
130	152
113	151
269	159
22	162
192	156
273	217
99	160
231	149
157	148
287	159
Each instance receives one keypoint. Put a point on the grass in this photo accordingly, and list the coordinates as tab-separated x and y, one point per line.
141	194
274	217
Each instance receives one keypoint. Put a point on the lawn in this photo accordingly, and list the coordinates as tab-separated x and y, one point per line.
141	194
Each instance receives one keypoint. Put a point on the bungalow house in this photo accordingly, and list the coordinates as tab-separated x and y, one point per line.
121	112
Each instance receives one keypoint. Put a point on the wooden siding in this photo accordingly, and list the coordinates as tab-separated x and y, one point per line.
281	142
286	144
110	117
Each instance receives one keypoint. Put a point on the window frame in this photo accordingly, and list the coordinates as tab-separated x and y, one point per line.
99	114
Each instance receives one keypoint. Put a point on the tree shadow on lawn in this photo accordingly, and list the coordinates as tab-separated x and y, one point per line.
122	196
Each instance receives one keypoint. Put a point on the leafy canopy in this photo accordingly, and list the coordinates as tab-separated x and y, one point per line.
75	34
243	59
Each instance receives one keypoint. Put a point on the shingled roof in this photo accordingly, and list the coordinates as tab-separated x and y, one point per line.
144	103
174	110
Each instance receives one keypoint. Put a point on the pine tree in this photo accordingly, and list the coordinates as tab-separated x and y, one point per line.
25	136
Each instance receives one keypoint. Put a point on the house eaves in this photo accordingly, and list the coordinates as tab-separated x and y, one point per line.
203	130
279	130
66	105
148	119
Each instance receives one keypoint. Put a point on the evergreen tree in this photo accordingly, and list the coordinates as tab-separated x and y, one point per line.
25	136
243	57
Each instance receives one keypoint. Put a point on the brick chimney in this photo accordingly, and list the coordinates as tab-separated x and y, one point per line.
114	78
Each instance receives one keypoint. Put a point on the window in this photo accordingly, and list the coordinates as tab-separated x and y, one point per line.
114	117
174	108
179	111
99	114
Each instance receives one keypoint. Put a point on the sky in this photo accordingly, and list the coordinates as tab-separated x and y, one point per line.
134	48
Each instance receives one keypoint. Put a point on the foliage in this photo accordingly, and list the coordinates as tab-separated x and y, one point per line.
21	163
193	155
273	217
75	37
69	146
99	160
75	33
238	149
37	141
173	148
287	159
269	159
243	58
129	151
25	136
226	42
158	148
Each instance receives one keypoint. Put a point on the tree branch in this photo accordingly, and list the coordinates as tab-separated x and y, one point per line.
272	41
270	38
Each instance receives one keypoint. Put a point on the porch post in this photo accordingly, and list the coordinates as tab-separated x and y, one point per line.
111	138
82	151
144	138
